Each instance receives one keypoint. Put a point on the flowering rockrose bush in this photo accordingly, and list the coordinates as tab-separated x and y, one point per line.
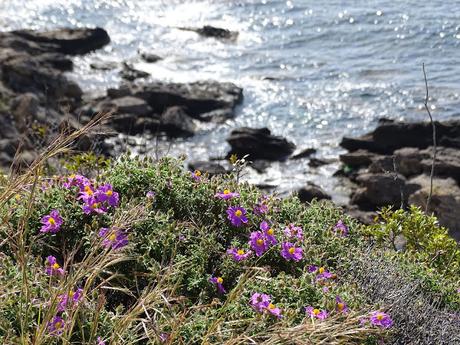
145	252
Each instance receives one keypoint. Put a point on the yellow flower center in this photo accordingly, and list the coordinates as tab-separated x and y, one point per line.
271	306
321	270
88	190
220	280
71	293
238	213
58	325
51	221
72	176
380	317
96	205
240	252
316	311
197	173
109	193
226	191
291	250
112	237
270	232
340	306
56	266
260	241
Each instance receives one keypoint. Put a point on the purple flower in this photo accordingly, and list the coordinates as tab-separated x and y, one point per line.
164	337
272	309
321	272
100	341
76	180
237	215
52	222
258	242
114	237
218	281
106	194
52	267
340	305
69	300
196	175
268	232
239	254
290	252
150	194
292	231
86	192
381	319
259	301
92	205
341	229
226	195
315	313
261	208
56	326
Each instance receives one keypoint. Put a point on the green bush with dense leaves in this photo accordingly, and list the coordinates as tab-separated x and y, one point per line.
157	289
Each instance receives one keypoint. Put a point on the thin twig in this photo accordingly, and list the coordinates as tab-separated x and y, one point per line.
434	140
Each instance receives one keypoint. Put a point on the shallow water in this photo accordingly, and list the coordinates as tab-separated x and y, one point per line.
312	71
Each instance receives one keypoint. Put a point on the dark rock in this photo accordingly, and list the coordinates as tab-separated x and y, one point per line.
377	190
24	109
216	116
69	41
358	158
198	97
150	58
259	143
130	73
409	160
317	162
383	164
447	162
103	65
176	122
312	191
303	153
445	201
364	217
131	105
212	168
211	31
56	61
364	142
122	91
260	165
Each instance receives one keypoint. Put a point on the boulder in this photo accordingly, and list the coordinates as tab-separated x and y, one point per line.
198	97
130	73
383	164
67	40
176	122
150	58
409	160
212	31
312	191
24	109
131	105
447	162
259	143
103	65
305	153
212	168
317	162
358	158
216	116
445	201
377	190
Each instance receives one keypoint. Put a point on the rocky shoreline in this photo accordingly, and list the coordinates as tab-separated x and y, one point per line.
388	166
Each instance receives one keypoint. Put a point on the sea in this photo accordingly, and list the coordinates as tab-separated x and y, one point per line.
312	71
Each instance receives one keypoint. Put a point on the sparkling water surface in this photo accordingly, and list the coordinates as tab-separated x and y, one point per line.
312	71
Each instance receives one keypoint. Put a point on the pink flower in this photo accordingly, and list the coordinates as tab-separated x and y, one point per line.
237	215
150	195
226	195
52	267
321	272
268	232
100	341
196	175
218	281
93	205
340	305
105	193
56	326
259	301
69	300
52	222
76	180
292	231
381	319
341	229
291	252
239	254
114	238
275	311
315	313
258	242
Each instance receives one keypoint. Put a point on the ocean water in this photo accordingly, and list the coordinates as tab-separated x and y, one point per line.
312	71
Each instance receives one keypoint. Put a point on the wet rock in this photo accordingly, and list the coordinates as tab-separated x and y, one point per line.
150	58
317	162
212	168
130	73
176	122
358	158
409	160
212	31
67	40
259	165
259	143
445	201
198	97
56	61
131	105
305	153
383	164
103	65
312	191
217	116
122	91
377	190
